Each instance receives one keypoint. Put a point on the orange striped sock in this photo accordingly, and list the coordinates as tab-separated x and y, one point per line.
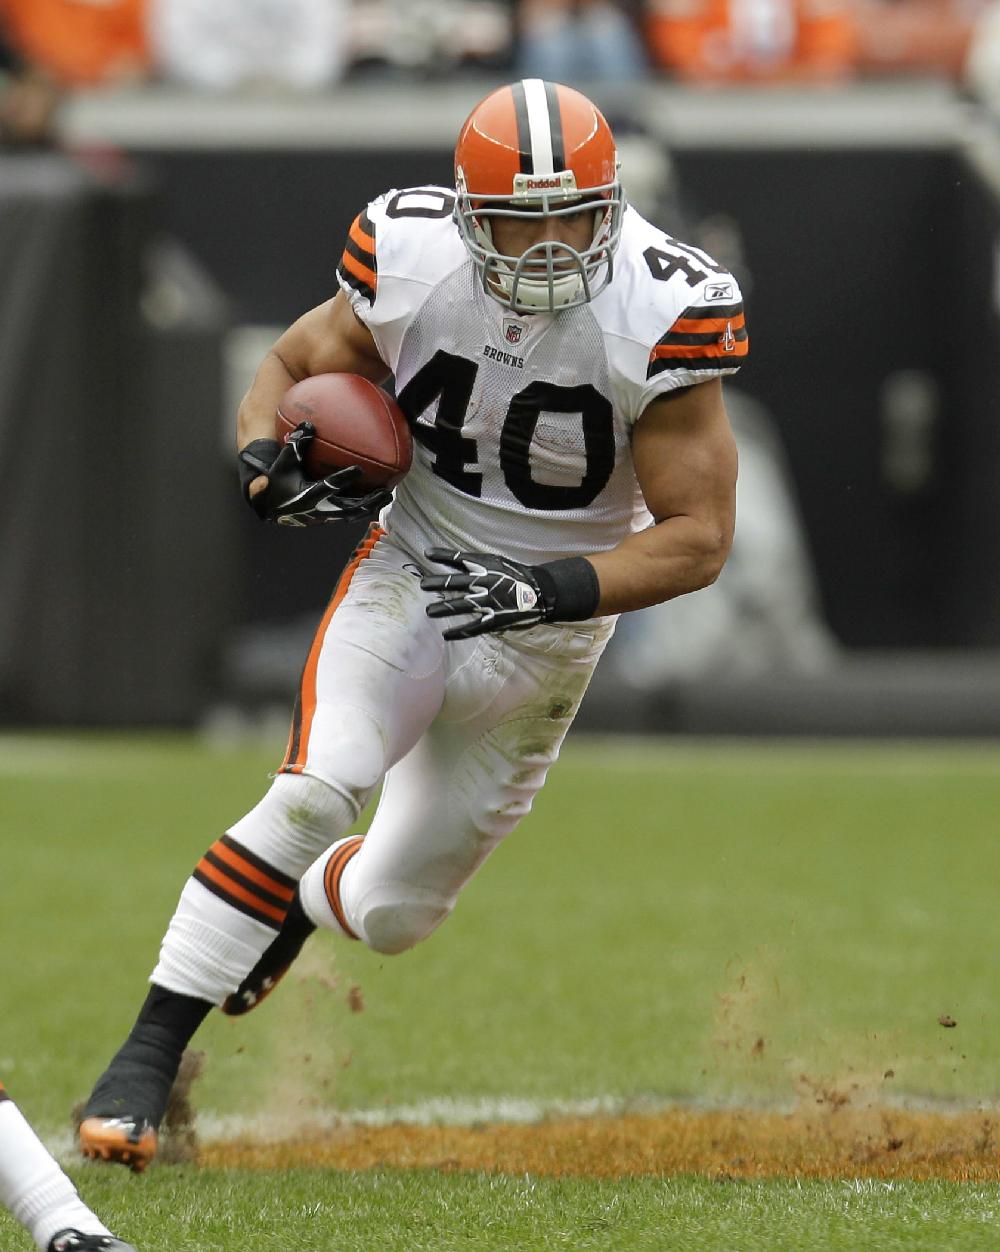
245	881
320	888
332	876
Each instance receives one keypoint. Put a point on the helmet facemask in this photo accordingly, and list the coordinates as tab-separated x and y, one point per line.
550	275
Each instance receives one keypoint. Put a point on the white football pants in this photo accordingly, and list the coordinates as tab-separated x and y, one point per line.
462	732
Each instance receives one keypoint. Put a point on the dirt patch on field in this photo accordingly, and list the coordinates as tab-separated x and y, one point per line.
178	1140
836	1142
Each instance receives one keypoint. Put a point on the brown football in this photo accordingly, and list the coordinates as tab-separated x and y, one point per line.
356	423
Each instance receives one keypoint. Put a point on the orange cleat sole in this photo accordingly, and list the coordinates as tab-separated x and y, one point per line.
117	1140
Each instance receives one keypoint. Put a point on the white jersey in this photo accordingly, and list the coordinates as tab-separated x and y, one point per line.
522	424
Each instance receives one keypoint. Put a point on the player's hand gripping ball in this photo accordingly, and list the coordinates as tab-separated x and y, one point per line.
341	444
354	423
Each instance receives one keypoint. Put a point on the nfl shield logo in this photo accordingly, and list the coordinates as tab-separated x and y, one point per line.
512	330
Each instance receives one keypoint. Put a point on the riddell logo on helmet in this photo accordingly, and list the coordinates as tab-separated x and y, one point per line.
531	184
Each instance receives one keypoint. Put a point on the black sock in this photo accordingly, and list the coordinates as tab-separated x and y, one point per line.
169	1010
283	948
296	927
137	1082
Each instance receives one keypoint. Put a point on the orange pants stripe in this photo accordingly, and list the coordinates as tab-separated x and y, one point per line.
305	705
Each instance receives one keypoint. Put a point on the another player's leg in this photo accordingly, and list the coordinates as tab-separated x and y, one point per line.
458	793
39	1194
373	681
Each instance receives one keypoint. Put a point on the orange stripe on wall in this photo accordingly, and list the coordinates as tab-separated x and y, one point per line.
307	694
240	893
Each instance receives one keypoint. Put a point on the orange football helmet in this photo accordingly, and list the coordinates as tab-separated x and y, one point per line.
537	147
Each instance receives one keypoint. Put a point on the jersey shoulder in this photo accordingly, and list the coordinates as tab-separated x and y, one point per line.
672	316
406	234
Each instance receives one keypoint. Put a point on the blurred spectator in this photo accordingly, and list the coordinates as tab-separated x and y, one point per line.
225	44
28	102
78	43
431	38
579	40
916	36
809	40
982	68
754	40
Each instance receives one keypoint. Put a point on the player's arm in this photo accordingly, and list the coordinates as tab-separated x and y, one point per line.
685	462
329	339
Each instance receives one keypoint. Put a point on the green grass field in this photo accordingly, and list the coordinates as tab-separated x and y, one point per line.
717	923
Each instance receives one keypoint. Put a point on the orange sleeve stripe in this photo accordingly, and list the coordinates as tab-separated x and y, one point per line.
360	271
707	325
240	893
307	694
700	351
243	866
364	241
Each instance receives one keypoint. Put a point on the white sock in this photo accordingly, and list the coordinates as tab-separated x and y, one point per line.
230	910
294	822
33	1186
209	947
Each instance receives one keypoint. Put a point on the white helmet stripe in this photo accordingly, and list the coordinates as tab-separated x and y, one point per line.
539	128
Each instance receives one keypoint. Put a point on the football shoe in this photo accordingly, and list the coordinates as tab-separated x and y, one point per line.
127	1140
120	1120
273	964
77	1241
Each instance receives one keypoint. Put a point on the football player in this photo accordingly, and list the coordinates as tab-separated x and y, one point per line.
560	361
40	1195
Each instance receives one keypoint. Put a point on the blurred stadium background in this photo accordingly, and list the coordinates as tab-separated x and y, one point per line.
176	179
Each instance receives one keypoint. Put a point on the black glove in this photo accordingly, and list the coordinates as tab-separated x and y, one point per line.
505	595
292	499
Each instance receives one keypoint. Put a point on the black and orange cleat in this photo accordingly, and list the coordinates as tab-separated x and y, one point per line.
257	986
129	1141
274	964
77	1241
120	1120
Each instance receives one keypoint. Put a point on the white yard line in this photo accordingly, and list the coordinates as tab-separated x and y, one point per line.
69	756
440	1111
